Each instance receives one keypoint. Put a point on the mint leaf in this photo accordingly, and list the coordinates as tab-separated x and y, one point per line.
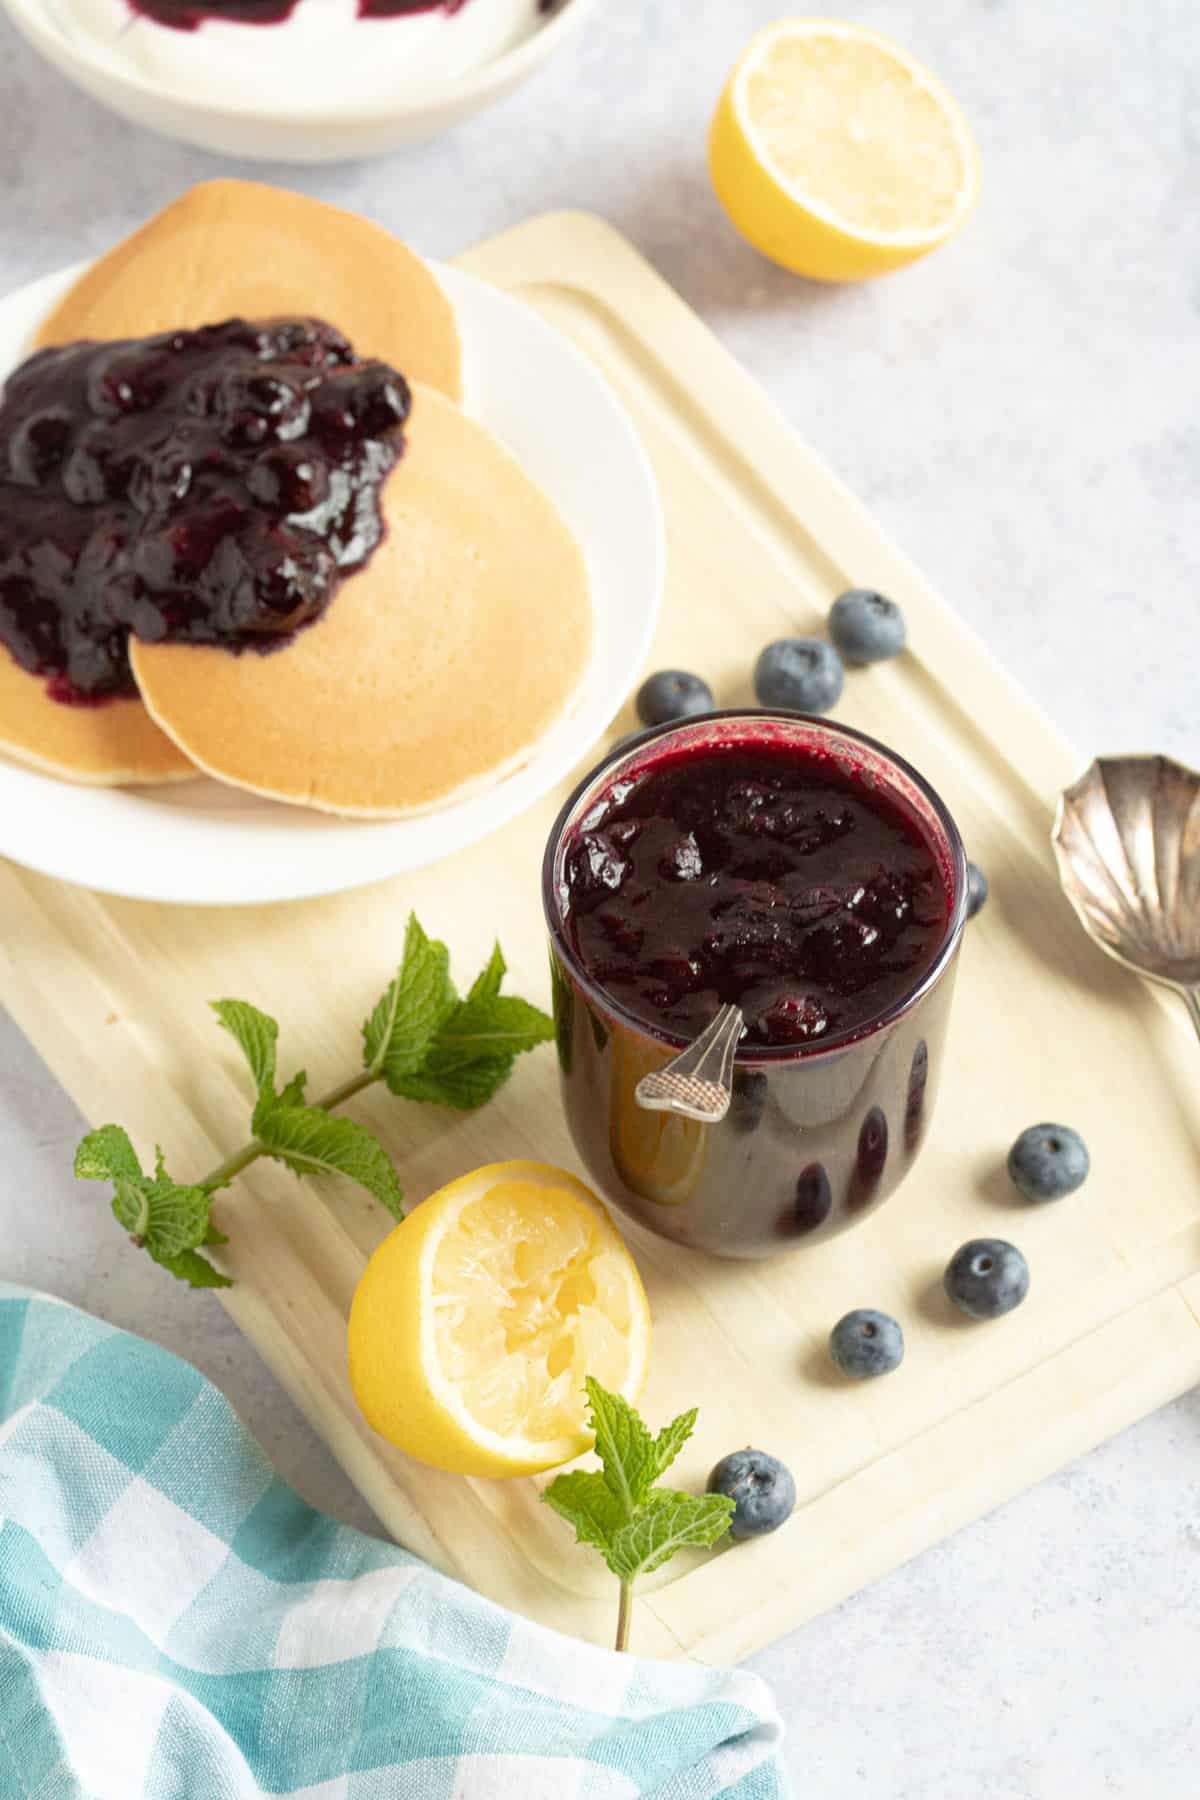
129	1206
164	1217
195	1269
107	1155
257	1034
671	1439
448	1082
486	984
670	1522
476	1043
310	1141
499	1024
584	1499
623	1445
293	1093
402	1026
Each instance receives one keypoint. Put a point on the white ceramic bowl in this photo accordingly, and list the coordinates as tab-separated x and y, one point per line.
273	131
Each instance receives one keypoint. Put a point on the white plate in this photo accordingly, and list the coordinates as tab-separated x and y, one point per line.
205	844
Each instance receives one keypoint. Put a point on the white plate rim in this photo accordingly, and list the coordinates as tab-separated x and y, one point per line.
384	848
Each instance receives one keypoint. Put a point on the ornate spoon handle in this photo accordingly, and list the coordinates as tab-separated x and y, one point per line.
698	1083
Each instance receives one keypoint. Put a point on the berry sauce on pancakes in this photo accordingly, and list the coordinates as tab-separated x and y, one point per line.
211	486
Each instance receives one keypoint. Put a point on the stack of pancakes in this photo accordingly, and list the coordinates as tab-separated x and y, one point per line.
439	665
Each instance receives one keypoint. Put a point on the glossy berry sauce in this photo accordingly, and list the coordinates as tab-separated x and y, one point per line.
187	15
208	487
756	874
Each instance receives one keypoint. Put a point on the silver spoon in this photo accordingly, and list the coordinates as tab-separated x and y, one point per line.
698	1083
1127	839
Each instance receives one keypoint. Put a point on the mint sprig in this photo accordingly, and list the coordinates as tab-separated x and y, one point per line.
636	1525
420	1039
162	1216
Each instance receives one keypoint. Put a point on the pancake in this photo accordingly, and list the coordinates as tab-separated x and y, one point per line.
103	746
231	248
436	670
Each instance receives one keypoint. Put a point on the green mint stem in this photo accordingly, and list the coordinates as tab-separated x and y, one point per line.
624	1615
233	1165
348	1089
250	1153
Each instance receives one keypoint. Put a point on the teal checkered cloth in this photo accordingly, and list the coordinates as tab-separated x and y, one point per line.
176	1624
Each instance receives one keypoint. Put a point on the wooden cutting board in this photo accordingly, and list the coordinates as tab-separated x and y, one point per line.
762	536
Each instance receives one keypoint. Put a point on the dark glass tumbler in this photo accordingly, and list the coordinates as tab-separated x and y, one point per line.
818	1134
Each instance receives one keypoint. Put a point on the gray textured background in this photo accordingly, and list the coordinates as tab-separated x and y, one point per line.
1021	413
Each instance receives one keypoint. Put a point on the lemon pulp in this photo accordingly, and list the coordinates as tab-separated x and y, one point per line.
528	1301
845	124
837	154
477	1319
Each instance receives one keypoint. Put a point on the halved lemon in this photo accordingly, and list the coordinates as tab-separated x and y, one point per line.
837	154
477	1319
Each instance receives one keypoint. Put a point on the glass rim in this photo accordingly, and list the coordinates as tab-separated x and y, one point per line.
626	750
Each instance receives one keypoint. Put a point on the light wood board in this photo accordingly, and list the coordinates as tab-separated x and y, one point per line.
762	537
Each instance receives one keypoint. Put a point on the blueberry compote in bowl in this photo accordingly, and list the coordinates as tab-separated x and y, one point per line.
803	872
303	81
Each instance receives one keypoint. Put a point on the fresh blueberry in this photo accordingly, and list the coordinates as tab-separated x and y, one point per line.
986	1278
977	889
866	627
800	675
1048	1161
867	1343
761	1488
672	694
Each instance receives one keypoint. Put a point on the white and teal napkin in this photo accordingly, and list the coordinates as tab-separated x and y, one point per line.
176	1624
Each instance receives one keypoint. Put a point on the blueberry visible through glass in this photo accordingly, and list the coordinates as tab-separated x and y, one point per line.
914	1107
870	1159
207	486
814	1199
758	875
748	1102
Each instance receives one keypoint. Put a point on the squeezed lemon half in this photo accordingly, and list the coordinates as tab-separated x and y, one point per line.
477	1319
837	154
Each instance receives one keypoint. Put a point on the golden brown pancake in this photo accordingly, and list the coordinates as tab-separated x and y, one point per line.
239	248
100	745
437	668
225	248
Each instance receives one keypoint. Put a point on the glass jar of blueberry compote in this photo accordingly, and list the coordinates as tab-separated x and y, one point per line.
802	872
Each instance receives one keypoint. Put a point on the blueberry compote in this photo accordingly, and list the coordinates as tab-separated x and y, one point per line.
186	15
207	486
753	873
